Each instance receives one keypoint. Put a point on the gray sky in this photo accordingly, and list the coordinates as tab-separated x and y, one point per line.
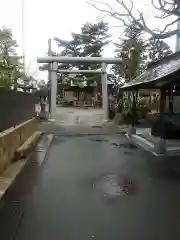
46	19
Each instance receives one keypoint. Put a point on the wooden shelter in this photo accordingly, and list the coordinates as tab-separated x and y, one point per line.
163	75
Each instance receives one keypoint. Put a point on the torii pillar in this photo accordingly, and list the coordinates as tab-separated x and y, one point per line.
54	67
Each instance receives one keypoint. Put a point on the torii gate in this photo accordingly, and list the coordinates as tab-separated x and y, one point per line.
53	70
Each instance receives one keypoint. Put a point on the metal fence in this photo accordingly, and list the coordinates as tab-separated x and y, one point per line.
15	107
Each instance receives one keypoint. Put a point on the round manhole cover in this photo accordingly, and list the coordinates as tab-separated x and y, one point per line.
115	186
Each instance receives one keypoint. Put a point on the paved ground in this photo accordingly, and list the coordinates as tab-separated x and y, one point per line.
61	129
93	184
70	121
93	187
72	115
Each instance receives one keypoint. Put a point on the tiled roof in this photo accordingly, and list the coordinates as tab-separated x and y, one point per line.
156	72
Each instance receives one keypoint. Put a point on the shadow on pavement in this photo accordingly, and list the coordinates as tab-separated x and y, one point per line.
14	201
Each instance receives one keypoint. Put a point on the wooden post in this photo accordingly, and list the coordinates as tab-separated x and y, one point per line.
150	100
162	103
171	99
132	127
161	146
134	108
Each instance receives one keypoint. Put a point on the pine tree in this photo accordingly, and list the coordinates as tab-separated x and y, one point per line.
132	52
157	49
88	43
136	52
10	62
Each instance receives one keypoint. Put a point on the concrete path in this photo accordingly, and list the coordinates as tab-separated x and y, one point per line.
93	187
92	184
70	121
78	116
73	116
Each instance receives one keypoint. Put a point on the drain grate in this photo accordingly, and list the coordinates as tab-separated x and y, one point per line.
96	126
127	153
98	140
115	144
124	145
128	145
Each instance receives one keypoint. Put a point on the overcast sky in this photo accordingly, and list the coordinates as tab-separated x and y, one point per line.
46	19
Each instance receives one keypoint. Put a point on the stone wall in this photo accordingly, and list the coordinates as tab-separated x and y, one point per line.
12	139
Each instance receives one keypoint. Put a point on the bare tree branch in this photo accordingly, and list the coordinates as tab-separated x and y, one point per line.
103	3
101	17
162	16
110	12
168	8
171	23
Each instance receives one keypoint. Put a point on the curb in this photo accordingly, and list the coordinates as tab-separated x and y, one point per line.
24	149
9	176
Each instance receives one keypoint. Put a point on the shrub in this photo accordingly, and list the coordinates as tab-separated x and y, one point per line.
125	107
